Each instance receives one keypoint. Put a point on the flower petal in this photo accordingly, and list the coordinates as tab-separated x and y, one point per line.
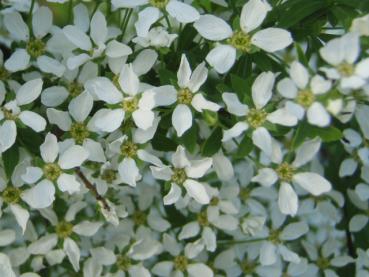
74	156
8	134
173	195
146	18
106	120
272	39
183	12
317	115
212	27
42	21
262	139
98	28
29	92
222	58
200	103
312	182
39	196
197	191
262	89
19	60
181	119
198	168
299	74
287	199
33	120
68	183
71	248
234	106
252	15
129	172
104	90
235	131
77	37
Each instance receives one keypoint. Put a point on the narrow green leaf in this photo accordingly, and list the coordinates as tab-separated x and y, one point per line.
213	143
10	159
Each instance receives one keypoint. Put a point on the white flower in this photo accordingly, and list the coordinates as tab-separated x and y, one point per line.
305	95
343	53
257	116
287	173
157	37
184	173
42	195
12	112
35	46
137	104
246	40
186	96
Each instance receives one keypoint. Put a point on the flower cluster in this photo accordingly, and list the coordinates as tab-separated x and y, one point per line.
184	138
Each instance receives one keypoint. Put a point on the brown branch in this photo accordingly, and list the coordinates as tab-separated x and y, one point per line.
92	189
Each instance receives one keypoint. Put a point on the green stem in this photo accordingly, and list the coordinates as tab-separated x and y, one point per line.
168	22
241	241
70	11
30	15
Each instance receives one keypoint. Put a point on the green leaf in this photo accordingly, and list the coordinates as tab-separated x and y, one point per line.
213	143
10	159
29	139
244	148
329	134
161	143
189	138
242	87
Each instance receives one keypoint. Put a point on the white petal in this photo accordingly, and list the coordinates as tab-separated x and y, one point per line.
54	96
299	74
268	254
235	131
33	120
333	52
223	166
312	182
222	58
146	18
234	106
351	47
282	117
362	68
32	175
198	168
128	3
81	106
104	90
288	255
143	119
129	172
16	26
317	115
81	18
319	85
144	61
266	177
8	134
98	28
19	60
6	267
179	158
262	89
77	37
173	195
200	103
50	65
108	120
287	88
43	245
197	191
213	28
199	269
71	248
60	118
147	157
68	183
49	148
128	80
294	230
262	139
87	228
95	150
287	199
181	119
183	12
21	215
72	157
165	95
184	72
29	92
189	230
358	222
306	152
42	21
272	39
74	62
7	236
116	49
40	196
253	14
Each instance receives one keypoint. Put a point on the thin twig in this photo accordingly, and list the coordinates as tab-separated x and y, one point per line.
92	188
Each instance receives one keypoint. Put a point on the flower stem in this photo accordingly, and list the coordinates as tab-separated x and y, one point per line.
30	15
240	241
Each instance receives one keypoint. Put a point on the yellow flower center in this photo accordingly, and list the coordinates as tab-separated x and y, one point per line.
305	98
256	117
35	48
214	201
130	105
139	218
4	74
79	132
11	195
247	267
274	236
323	263
109	175
123	263
160	4
129	149
64	229
180	263
285	172
202	219
52	171
241	41
346	69
179	176
8	114
75	89
184	96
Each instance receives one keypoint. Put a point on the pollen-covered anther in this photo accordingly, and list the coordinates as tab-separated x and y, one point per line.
256	117
241	41
11	195
129	149
64	229
285	172
180	263
123	262
109	175
346	69
130	105
202	219
305	98
179	176
79	132
160	4
35	48
52	171
184	96
75	89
